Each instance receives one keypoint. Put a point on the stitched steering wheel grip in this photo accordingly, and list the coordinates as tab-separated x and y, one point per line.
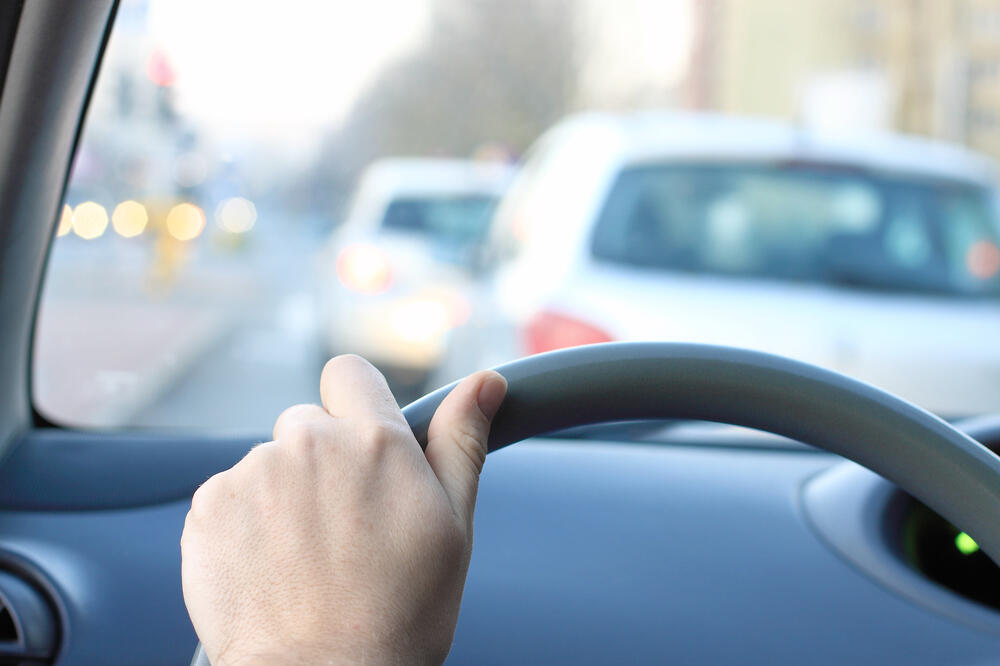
944	468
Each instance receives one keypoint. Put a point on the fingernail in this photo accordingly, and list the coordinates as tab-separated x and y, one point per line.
491	394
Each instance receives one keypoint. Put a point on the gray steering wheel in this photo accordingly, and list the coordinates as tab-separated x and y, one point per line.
944	468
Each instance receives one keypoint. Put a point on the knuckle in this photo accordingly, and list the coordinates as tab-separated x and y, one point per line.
304	436
345	361
262	455
292	415
207	496
261	472
194	532
378	435
186	531
294	412
302	448
350	358
350	366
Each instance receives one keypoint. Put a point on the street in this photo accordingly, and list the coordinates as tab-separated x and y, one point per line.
225	346
243	381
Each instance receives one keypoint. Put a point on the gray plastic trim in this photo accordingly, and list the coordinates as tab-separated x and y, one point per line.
846	506
46	87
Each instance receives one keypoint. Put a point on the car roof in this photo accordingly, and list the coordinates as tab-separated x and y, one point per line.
654	135
414	175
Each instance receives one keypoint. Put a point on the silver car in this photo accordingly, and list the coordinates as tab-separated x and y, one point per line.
842	251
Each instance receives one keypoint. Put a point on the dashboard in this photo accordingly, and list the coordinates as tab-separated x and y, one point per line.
587	551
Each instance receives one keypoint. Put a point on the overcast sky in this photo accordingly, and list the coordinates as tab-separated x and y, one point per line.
287	70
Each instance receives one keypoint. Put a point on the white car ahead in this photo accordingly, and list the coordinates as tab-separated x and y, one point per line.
858	253
394	277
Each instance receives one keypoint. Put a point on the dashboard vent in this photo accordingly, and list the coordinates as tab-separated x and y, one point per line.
8	632
28	631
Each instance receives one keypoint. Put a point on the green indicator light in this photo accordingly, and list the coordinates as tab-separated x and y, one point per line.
965	544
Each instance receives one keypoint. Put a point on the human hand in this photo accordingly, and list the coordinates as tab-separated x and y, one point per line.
341	541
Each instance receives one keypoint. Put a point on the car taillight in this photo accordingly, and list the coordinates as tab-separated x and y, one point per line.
549	330
364	268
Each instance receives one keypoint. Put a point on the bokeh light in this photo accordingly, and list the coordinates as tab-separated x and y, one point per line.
89	220
236	215
129	218
65	221
420	320
160	70
185	221
364	269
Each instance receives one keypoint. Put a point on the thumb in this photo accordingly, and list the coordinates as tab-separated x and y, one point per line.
456	437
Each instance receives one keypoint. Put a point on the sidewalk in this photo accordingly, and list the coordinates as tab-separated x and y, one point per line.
98	363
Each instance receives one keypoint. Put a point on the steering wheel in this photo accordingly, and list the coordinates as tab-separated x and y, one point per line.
944	468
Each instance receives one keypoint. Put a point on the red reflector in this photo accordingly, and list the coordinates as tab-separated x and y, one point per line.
549	330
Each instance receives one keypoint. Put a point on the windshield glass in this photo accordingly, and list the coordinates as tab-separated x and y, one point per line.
804	223
443	185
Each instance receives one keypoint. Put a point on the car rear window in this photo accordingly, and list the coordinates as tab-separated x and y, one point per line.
804	223
450	220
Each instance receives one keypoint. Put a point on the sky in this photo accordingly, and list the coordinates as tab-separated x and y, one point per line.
243	64
284	71
636	45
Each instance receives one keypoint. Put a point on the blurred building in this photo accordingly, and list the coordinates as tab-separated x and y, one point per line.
929	67
943	60
751	56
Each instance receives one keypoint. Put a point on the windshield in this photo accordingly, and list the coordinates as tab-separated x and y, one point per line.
804	223
442	185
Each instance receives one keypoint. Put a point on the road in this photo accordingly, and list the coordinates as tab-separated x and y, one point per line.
223	344
224	347
97	363
246	378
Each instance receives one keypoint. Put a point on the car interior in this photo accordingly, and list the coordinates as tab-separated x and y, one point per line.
810	519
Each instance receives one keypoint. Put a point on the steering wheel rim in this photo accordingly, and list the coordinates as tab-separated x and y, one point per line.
946	469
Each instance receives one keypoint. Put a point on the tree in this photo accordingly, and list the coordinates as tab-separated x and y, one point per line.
488	71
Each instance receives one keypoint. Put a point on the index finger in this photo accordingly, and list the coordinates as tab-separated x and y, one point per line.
351	387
